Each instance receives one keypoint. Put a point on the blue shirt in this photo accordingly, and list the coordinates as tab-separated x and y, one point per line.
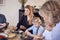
33	28
56	32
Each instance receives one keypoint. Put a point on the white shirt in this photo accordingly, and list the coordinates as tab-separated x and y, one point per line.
56	32
47	35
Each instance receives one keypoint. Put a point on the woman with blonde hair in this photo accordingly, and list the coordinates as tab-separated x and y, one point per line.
50	11
26	20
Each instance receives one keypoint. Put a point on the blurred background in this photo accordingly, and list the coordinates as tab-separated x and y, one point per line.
10	8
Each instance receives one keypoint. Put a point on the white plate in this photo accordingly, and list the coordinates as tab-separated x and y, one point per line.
3	34
20	31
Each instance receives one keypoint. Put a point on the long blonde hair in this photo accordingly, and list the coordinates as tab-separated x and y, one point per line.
31	13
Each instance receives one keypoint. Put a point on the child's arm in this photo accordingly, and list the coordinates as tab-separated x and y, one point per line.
32	35
28	33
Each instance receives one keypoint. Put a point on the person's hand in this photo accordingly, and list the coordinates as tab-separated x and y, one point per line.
36	37
22	27
2	25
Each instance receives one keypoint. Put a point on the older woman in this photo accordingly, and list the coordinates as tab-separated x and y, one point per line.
50	11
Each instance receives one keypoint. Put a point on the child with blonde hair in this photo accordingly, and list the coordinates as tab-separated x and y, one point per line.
36	28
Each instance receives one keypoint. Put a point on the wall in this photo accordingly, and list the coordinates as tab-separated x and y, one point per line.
38	3
10	8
